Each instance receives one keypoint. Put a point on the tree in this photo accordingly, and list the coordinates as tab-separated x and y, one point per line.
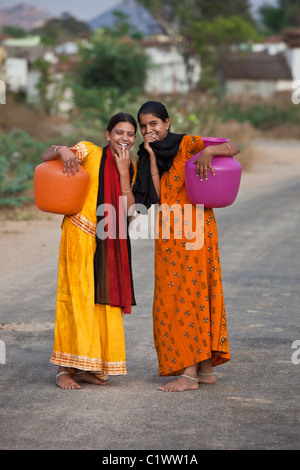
167	15
122	27
214	41
178	16
43	67
111	74
208	28
15	31
63	29
107	61
285	15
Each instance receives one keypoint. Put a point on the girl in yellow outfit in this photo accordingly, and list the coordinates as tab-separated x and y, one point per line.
89	341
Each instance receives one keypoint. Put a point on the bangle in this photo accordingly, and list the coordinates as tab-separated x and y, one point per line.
228	146
152	174
55	150
126	192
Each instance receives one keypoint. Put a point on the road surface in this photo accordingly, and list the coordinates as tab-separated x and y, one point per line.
255	402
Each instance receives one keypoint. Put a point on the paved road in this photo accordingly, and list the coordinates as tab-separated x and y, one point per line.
255	403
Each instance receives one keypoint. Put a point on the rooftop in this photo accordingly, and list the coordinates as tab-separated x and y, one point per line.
258	66
292	37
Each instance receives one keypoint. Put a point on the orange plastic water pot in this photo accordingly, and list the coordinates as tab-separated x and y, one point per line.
56	192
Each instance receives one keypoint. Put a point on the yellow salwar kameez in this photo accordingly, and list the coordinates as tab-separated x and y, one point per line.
87	336
189	319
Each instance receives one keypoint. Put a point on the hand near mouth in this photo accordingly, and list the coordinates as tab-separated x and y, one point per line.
147	140
122	159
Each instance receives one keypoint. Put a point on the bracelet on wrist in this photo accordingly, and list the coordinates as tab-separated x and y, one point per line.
228	146
126	192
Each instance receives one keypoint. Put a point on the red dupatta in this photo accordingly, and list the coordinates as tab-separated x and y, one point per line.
112	261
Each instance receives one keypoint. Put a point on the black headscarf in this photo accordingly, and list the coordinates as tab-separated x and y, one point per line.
165	151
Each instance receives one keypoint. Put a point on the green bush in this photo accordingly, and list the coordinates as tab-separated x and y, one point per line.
19	155
95	106
262	116
107	61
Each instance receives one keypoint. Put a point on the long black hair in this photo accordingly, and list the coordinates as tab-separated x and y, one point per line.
121	117
154	107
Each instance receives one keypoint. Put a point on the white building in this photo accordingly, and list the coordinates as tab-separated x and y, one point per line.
20	55
270	68
21	74
16	74
292	39
170	73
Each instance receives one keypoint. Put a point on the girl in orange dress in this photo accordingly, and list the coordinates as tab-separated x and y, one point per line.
189	319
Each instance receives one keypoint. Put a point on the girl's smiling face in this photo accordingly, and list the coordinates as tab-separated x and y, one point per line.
153	125
122	135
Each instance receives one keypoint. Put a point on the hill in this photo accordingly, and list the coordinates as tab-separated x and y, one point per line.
23	16
136	15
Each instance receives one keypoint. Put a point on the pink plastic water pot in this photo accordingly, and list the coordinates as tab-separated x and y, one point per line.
220	190
56	192
213	141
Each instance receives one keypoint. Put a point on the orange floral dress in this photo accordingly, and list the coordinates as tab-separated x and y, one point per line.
189	319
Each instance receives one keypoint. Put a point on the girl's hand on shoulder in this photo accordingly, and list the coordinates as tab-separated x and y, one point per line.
203	163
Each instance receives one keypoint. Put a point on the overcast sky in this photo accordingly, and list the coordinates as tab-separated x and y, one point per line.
85	9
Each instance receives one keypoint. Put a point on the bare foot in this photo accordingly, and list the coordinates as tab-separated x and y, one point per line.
65	381
89	377
182	384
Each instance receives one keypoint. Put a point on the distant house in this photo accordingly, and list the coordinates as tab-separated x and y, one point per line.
22	75
292	39
2	64
67	48
271	67
257	73
170	73
61	94
20	56
20	53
